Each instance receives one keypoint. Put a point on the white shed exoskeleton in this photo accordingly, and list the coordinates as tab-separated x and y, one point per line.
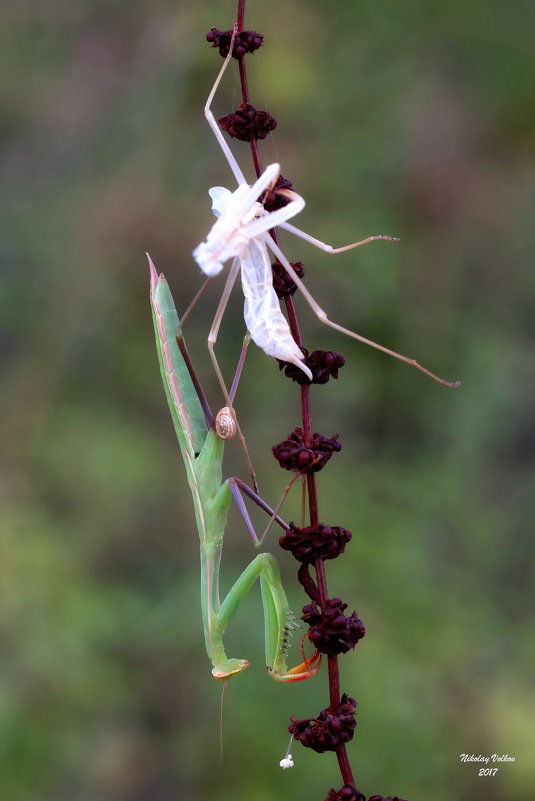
241	233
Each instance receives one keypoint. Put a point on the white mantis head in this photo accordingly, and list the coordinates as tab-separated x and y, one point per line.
228	237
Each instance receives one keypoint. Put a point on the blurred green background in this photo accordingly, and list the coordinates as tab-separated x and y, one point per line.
415	119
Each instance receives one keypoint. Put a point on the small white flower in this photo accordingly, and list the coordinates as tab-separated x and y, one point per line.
288	761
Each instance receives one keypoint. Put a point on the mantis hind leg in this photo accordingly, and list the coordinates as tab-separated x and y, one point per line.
322	316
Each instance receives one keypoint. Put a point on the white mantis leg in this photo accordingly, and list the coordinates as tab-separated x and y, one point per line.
275	218
247	204
322	317
212	339
239	367
233	164
214	330
329	248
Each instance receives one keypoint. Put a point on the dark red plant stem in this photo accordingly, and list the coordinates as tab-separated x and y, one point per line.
292	317
343	764
241	14
333	671
245	93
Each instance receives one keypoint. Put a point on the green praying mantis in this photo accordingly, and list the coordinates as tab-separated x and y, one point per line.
202	441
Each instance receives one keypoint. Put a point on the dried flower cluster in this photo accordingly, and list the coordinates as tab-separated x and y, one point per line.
330	630
248	123
296	454
323	364
315	542
347	793
246	42
283	284
330	730
276	197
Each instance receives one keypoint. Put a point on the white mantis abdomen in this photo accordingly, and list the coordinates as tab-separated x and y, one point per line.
263	317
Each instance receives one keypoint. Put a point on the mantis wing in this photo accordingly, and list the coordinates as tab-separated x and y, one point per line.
184	405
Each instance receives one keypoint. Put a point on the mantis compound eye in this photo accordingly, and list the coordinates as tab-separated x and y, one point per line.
225	424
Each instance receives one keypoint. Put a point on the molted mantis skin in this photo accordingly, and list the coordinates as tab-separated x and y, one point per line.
202	451
242	233
238	233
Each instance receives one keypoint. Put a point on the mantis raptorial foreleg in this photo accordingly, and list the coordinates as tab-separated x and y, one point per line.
202	451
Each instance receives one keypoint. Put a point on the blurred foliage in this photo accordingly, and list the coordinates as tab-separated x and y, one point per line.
415	119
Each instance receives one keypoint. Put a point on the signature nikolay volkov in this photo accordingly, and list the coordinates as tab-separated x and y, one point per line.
487	759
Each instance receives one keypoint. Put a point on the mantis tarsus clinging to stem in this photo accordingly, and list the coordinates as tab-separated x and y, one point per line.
202	451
